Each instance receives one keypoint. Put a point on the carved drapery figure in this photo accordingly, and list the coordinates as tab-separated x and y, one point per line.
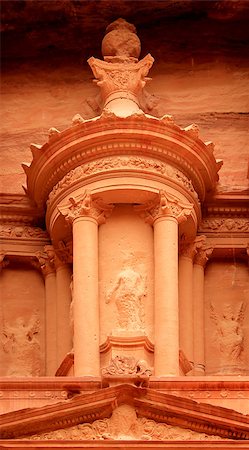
21	342
129	291
229	333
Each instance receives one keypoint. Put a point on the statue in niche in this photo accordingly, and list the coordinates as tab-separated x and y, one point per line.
229	332
21	342
128	292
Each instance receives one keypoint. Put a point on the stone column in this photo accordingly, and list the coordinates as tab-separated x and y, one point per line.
165	215
85	216
202	254
48	269
186	332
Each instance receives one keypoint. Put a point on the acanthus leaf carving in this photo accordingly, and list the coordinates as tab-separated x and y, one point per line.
46	260
166	205
203	250
3	261
86	207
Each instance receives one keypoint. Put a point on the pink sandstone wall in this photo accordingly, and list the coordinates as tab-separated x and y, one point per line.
22	319
211	92
226	317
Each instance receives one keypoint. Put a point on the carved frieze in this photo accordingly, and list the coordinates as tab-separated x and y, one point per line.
124	424
165	205
20	341
225	225
86	207
136	163
13	231
127	365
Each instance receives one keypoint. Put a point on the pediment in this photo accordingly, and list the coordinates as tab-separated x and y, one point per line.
125	412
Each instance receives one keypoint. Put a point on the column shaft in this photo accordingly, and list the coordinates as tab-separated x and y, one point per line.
51	324
64	338
186	306
166	297
199	334
86	308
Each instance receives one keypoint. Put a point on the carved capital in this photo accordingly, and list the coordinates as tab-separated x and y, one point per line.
46	260
187	249
3	262
123	76
203	251
65	252
165	206
86	207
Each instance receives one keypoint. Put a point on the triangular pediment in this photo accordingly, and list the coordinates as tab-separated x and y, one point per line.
143	413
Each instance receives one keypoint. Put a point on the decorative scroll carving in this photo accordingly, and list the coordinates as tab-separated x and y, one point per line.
127	365
87	207
225	225
125	425
18	231
165	206
229	335
112	163
128	292
21	342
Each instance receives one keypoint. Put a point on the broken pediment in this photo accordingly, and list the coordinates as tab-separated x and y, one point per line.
124	424
125	412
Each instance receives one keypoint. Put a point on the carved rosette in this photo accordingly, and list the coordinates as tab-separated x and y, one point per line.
165	206
86	207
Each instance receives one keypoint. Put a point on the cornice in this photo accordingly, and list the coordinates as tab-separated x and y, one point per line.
149	403
20	209
109	135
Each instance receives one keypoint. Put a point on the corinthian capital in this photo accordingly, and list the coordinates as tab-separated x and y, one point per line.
86	207
46	260
203	251
165	206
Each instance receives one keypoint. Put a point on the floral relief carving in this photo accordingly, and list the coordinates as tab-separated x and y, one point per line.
229	336
203	251
129	292
127	365
18	231
21	342
112	163
86	207
222	224
46	259
124	424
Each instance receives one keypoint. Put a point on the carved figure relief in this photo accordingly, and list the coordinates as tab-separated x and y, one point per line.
127	365
229	333
129	292
21	342
124	425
